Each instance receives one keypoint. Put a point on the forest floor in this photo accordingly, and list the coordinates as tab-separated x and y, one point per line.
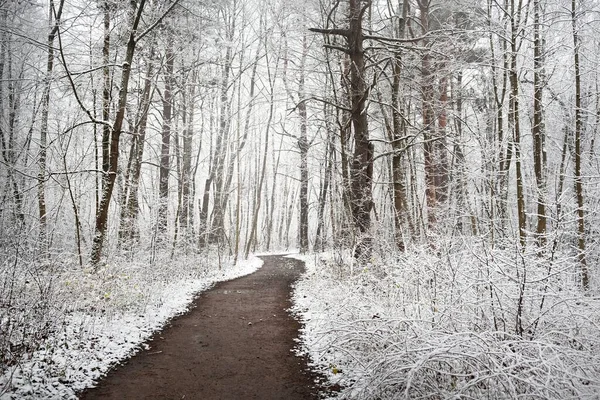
237	342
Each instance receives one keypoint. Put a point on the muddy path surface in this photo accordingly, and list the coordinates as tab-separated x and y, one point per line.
234	344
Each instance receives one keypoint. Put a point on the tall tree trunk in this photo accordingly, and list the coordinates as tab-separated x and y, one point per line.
538	127
54	15
428	117
462	191
217	225
73	203
328	171
217	233
252	239
178	160
130	205
361	169
270	216
502	158
204	203
578	151
192	178
240	142
106	91
186	217
7	144
238	208
110	177
399	143
440	145
303	146
165	153
515	123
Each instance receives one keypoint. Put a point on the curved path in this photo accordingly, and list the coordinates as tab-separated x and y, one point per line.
234	344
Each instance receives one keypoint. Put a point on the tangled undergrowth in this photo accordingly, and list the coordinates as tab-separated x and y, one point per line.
62	326
465	321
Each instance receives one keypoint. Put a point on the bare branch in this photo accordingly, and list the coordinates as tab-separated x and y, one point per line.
158	21
72	82
339	48
339	107
90	70
333	31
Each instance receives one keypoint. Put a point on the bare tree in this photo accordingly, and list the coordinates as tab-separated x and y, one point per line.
130	198
361	167
165	149
578	151
397	137
261	171
303	146
7	131
54	15
537	130
514	114
101	224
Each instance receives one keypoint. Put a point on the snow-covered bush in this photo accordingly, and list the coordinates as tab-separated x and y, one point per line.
62	326
28	308
460	320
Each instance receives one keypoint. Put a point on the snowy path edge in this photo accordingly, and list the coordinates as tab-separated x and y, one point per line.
303	307
93	344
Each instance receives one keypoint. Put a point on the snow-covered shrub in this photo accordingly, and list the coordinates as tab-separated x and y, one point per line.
65	325
29	310
458	320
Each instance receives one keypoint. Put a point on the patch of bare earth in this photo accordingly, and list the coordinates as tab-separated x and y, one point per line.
235	343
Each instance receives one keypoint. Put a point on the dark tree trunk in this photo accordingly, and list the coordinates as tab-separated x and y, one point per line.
111	175
303	146
328	168
130	205
429	125
186	217
578	151
401	213
538	128
217	226
361	167
165	153
502	160
7	143
217	232
106	91
54	23
514	120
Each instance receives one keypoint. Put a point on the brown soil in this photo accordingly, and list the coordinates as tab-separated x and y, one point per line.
235	343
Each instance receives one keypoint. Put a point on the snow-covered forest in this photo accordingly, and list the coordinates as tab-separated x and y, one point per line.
433	161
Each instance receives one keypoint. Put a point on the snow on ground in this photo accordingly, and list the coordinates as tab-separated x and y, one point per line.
424	325
110	315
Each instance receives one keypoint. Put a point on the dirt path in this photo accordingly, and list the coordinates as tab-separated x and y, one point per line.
235	344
